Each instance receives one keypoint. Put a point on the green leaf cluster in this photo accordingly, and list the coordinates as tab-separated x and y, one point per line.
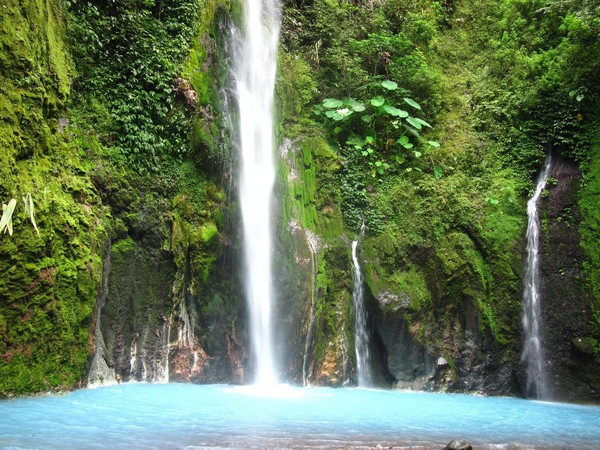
378	129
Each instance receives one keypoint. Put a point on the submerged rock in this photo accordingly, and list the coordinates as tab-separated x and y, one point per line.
458	444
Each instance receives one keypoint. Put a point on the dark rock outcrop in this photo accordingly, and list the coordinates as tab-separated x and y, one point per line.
566	304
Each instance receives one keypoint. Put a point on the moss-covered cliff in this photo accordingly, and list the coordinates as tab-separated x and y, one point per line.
428	120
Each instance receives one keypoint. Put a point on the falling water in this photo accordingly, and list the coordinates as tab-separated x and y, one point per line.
254	73
533	352
361	337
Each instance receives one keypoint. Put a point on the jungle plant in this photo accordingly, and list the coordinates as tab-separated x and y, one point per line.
378	130
8	211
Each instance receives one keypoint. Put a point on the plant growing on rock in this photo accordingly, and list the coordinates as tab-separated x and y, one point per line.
379	130
9	209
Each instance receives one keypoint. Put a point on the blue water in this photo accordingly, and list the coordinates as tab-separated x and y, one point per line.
194	416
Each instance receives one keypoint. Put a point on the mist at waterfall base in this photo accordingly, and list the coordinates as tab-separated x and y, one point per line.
140	415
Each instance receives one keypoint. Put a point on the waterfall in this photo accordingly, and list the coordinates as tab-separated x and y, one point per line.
361	336
533	352
254	72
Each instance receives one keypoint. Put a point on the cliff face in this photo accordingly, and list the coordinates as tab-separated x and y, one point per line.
567	305
128	159
49	279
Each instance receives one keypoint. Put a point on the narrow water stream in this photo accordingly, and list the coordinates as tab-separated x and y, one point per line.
533	350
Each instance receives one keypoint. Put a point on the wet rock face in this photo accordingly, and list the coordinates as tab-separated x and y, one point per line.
565	303
133	321
407	361
459	358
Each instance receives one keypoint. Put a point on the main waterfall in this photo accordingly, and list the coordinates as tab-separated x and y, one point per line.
254	72
533	351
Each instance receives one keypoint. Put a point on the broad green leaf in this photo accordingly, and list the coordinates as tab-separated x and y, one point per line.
367	118
332	114
332	103
370	150
417	154
337	130
6	221
356	105
377	101
404	142
413	122
345	112
364	153
393	111
389	85
369	139
412	103
317	111
435	144
438	172
422	122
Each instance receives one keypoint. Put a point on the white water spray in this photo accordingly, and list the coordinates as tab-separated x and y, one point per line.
254	73
533	351
361	336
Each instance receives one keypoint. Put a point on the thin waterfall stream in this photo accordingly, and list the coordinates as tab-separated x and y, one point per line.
533	351
361	335
254	73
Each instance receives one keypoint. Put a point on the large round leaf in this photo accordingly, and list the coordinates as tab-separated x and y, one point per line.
332	103
355	105
389	85
377	101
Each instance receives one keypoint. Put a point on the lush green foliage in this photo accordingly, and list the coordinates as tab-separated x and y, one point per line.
378	131
128	55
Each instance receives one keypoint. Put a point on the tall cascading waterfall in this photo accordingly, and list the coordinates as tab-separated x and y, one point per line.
254	72
361	336
533	351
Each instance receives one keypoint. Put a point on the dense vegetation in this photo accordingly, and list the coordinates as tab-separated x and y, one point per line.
425	119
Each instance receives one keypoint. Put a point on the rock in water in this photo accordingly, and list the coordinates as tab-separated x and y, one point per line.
458	444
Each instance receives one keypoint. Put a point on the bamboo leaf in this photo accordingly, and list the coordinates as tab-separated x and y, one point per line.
6	221
28	201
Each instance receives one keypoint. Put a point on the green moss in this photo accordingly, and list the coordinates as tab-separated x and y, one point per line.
411	284
50	281
589	199
209	233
